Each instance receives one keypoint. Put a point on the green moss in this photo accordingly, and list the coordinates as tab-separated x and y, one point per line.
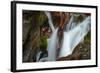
40	18
79	18
88	38
43	42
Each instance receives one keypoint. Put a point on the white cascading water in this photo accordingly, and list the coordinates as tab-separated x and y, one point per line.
52	46
50	21
52	43
71	24
73	37
38	56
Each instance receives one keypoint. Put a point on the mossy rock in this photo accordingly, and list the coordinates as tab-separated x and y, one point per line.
41	18
43	42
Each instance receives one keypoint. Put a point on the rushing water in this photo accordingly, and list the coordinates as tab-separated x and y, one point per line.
50	20
52	43
38	56
73	35
52	46
71	24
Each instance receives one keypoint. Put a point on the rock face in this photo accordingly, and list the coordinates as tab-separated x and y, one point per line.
60	19
30	36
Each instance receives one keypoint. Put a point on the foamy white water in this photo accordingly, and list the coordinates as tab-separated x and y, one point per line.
73	37
50	21
52	46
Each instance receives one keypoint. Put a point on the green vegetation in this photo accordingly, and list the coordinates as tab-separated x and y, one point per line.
43	42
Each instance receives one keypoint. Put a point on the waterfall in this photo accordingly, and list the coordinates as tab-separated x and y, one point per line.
52	42
38	56
50	21
71	24
73	37
52	46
